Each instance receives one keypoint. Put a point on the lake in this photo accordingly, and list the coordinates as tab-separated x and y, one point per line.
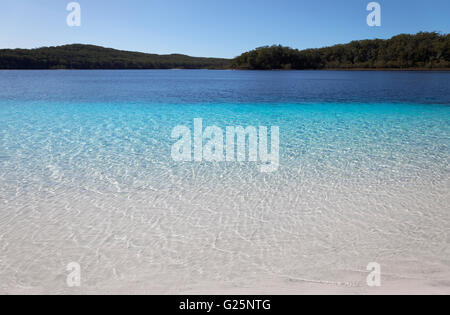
87	175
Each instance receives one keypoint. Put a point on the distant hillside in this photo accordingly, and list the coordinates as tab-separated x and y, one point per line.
420	51
423	51
94	57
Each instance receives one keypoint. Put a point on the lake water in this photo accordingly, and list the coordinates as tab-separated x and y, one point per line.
86	176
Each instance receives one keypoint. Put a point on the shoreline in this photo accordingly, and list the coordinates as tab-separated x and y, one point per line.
258	70
268	285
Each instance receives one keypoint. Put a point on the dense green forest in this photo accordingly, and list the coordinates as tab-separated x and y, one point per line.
423	50
94	57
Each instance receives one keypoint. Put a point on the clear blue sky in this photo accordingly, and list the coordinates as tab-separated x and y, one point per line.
217	28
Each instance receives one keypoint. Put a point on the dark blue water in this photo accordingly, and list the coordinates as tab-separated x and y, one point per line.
198	86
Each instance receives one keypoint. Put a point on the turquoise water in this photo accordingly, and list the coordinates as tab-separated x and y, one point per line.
87	176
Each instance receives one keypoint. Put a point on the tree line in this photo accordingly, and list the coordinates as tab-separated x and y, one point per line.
421	51
94	57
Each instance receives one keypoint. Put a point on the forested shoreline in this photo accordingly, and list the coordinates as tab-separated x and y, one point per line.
80	56
422	51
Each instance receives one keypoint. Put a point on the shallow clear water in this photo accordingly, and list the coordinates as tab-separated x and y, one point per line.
86	176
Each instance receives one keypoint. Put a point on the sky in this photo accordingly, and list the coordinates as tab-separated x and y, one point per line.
212	28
